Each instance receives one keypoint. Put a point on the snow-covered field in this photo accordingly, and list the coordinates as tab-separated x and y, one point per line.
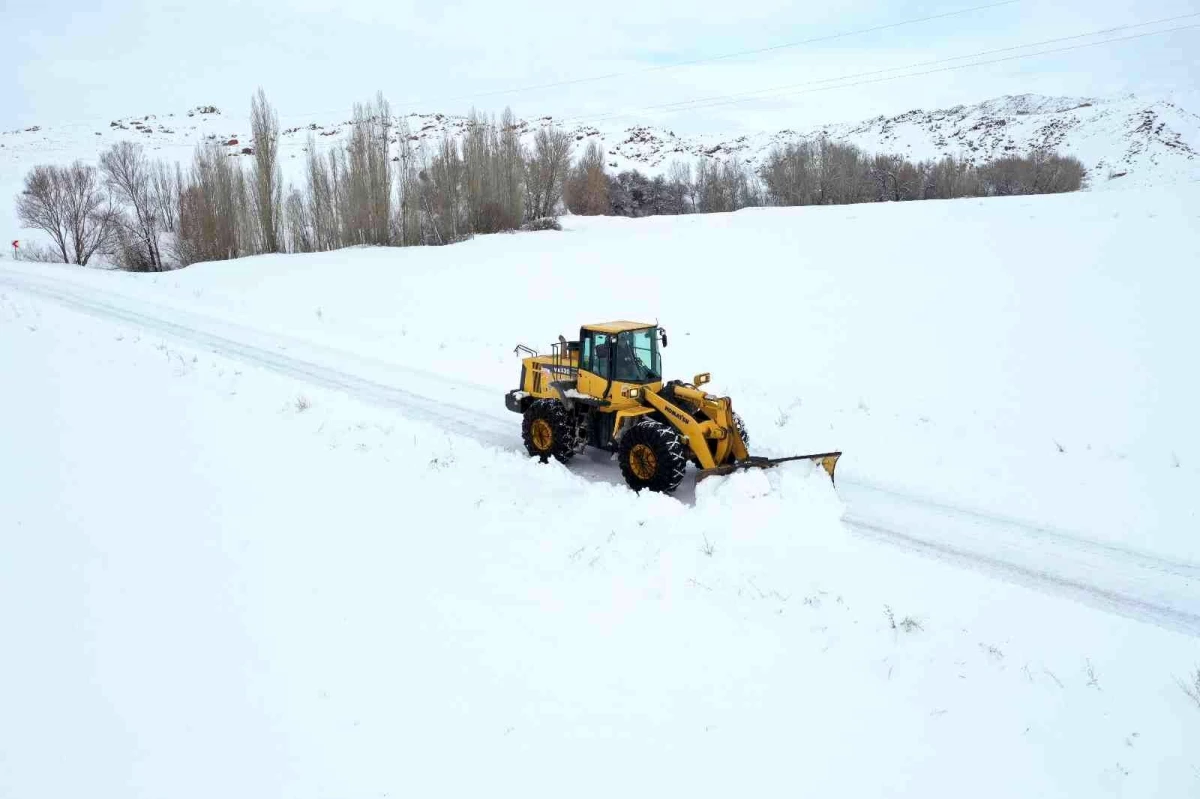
268	529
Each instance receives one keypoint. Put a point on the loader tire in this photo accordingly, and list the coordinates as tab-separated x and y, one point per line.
546	430
652	456
741	428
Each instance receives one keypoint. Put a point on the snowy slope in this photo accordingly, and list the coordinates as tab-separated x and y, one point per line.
1121	141
1143	142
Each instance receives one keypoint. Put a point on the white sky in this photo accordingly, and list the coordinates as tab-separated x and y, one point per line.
70	61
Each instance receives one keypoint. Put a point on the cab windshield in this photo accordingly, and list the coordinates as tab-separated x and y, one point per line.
635	357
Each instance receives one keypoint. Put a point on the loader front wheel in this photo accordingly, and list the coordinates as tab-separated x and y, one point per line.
546	430
741	428
652	456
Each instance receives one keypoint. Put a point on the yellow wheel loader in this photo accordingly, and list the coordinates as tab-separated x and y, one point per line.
606	390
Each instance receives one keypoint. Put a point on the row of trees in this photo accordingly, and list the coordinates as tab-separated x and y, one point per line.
379	188
146	216
809	173
823	172
713	187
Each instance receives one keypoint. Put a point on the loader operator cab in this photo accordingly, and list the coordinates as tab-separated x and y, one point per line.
621	355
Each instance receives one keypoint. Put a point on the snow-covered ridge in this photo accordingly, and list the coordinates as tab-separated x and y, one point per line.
1122	141
1148	143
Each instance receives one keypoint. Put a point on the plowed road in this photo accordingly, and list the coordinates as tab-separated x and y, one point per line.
1121	580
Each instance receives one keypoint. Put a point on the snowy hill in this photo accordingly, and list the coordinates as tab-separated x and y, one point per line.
1123	141
271	514
1140	143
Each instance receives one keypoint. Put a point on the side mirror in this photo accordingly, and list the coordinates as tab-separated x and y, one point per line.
662	334
701	379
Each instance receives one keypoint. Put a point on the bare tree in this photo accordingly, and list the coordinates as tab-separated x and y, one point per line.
442	184
842	174
67	204
129	176
950	178
512	167
42	205
791	174
267	181
321	198
885	170
213	213
165	186
300	228
546	169
679	186
485	192
586	189
366	214
1054	173
725	186
408	202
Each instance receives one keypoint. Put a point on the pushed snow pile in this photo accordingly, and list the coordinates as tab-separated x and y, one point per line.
782	489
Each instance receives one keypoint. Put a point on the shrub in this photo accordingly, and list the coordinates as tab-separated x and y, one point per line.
542	223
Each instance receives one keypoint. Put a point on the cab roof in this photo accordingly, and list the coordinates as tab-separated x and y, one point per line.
621	326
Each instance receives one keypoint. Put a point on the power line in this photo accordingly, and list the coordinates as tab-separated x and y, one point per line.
743	97
692	62
740	53
1042	43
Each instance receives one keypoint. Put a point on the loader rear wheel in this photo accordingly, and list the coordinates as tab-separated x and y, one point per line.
546	430
652	456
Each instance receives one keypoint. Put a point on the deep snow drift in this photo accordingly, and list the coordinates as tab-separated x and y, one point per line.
343	578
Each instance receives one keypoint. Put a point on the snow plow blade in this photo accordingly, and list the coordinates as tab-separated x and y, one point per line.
827	461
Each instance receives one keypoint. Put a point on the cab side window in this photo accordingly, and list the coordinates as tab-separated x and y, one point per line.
585	350
599	354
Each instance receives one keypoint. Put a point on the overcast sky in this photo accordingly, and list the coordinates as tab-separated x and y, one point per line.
77	61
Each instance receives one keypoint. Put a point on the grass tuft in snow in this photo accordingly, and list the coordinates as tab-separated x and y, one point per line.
1191	686
909	624
708	548
302	404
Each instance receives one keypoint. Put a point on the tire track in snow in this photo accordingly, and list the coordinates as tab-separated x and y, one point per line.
1144	558
1112	601
1153	589
448	415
